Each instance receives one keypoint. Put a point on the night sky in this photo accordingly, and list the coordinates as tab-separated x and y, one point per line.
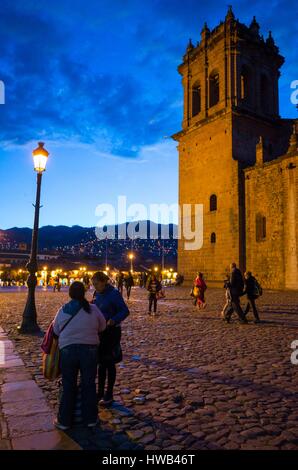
97	81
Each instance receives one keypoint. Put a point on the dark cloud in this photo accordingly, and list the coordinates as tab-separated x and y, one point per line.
106	71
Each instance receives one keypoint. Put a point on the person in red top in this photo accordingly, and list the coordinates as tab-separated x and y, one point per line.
200	288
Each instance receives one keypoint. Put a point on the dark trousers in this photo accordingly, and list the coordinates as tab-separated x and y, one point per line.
110	340
104	371
75	358
235	307
120	288
252	303
152	301
128	290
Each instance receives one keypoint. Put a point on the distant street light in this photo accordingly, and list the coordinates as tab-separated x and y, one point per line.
131	257
29	323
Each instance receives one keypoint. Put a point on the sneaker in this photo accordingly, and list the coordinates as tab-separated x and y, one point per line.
92	425
60	426
107	400
257	321
99	397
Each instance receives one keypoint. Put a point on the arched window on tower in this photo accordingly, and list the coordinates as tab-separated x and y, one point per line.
261	227
265	93
213	237
213	88
246	84
196	99
213	203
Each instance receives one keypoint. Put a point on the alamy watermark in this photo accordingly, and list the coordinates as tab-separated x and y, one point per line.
294	355
294	94
2	92
189	227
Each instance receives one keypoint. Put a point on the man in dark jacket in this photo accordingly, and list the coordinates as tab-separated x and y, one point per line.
111	304
235	285
251	291
154	286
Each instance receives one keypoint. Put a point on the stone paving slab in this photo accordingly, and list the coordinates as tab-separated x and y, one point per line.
5	444
22	395
15	375
26	420
20	426
27	408
11	363
54	440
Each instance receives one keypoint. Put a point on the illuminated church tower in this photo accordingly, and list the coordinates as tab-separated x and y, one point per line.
231	109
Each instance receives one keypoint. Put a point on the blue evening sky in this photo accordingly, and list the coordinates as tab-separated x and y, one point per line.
97	81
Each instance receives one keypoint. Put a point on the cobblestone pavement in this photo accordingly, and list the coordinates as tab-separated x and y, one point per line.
188	380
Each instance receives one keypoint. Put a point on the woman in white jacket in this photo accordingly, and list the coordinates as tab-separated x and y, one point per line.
78	345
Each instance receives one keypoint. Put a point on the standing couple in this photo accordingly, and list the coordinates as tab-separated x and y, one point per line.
89	342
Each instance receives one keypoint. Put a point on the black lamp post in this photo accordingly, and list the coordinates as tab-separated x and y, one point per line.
29	323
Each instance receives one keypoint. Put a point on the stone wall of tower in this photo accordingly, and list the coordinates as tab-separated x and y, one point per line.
205	168
272	192
247	130
217	155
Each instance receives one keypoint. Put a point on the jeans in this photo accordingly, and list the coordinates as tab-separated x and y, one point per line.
120	288
234	306
252	303
128	290
105	370
152	300
110	341
75	358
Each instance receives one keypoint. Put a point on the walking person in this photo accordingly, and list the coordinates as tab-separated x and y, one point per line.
77	325
200	289
86	281
120	283
110	302
227	309
129	283
235	285
252	290
154	286
57	284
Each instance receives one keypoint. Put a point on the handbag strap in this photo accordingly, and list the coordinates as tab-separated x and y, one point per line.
68	321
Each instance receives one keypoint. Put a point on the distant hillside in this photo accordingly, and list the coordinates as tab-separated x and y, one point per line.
59	236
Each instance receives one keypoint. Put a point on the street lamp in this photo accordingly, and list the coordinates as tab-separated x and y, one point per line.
29	323
131	257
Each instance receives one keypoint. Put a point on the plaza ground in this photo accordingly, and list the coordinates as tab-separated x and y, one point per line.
188	380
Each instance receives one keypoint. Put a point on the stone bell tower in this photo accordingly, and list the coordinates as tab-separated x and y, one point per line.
230	83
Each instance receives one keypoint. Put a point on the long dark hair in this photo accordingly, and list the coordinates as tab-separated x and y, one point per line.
77	292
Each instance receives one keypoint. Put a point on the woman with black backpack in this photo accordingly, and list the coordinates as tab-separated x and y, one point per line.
252	290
